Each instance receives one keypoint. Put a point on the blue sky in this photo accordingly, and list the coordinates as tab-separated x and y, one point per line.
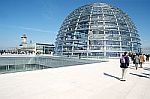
41	19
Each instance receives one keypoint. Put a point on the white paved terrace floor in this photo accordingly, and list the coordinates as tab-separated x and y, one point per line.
90	81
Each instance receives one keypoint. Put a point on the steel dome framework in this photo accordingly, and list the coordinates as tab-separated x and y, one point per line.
97	29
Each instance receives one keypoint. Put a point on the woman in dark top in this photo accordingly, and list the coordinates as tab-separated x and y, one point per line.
124	63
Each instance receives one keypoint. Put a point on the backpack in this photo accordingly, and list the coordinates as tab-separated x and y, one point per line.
122	60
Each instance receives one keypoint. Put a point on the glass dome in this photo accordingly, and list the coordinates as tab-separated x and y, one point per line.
97	29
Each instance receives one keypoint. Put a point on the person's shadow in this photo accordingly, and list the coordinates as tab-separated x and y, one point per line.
139	75
106	74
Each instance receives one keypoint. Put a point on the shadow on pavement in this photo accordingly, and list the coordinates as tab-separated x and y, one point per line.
139	75
146	74
112	76
146	68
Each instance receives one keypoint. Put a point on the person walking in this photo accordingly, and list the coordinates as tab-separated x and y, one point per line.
147	57
124	63
136	61
141	60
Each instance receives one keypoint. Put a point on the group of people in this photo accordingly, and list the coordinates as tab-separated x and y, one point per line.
138	59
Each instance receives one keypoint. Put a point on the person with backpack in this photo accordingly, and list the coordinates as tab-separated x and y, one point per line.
124	63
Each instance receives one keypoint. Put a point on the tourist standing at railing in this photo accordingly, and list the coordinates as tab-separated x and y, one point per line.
2	52
79	55
124	63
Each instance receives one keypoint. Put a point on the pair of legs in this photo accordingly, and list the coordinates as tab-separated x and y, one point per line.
136	66
141	64
124	71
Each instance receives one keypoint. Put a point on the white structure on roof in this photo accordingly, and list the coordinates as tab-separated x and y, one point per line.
24	40
35	48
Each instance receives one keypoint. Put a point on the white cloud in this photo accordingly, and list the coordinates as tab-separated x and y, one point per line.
28	28
34	29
